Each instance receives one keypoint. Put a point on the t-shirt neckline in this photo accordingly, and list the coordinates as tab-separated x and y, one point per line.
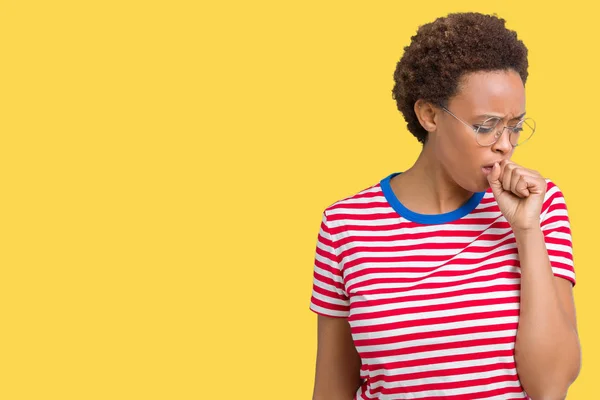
444	218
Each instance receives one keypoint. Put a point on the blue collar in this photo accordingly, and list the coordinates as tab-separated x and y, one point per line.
404	212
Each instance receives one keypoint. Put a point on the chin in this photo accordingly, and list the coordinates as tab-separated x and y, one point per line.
485	185
476	185
471	182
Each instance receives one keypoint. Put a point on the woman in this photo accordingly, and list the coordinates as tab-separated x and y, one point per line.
453	279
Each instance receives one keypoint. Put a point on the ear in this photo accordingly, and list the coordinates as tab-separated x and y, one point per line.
427	115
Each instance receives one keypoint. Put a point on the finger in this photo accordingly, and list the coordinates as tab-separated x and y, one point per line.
536	185
494	180
520	176
508	167
515	181
507	173
524	171
532	181
522	186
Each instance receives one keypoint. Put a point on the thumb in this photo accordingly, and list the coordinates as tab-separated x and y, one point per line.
494	180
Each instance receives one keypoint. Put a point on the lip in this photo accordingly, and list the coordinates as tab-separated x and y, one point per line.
491	165
486	170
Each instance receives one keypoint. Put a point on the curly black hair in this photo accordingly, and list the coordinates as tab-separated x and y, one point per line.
443	51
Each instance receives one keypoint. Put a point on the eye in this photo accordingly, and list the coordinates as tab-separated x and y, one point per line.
484	129
488	125
518	127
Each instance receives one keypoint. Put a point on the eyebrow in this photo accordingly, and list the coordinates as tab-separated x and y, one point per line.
499	117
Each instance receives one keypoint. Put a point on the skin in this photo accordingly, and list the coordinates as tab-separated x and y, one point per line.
337	371
446	174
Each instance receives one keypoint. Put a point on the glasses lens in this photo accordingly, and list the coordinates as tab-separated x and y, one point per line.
522	132
488	132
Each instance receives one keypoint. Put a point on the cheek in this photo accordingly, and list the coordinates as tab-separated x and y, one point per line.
462	160
461	153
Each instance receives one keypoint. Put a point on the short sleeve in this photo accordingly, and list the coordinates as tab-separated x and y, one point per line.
329	296
557	233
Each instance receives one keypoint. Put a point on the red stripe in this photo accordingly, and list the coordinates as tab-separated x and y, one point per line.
431	321
438	273
439	285
446	372
433	334
435	307
482	355
433	296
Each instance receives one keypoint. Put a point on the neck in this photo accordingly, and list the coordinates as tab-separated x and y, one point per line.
427	188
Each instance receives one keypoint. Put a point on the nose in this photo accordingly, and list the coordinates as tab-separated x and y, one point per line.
502	144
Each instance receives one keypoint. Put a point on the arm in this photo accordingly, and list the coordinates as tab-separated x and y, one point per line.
547	349
338	364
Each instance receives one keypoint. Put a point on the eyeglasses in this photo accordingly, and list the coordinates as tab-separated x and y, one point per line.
486	133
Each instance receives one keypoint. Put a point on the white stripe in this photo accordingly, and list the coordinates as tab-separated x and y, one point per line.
436	327
563	272
446	379
452	392
327	311
450	291
443	366
437	340
437	279
464	254
438	301
435	314
327	274
562	260
459	351
559	247
330	300
560	235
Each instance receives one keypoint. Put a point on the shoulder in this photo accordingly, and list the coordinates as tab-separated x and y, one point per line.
551	184
354	203
553	191
554	201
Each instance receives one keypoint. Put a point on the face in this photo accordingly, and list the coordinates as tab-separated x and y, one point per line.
482	94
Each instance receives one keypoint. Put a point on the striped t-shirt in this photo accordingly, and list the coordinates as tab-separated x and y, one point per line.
432	300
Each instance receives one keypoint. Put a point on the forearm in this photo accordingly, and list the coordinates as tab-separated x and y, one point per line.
337	390
547	352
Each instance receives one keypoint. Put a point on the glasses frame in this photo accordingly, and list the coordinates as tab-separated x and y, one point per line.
497	136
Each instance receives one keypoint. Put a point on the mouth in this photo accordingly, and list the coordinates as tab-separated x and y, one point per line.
487	169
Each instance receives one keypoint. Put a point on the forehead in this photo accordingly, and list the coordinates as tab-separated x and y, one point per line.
499	93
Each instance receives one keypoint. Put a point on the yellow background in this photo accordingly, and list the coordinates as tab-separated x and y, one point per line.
164	166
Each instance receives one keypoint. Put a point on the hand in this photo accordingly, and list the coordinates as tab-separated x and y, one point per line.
519	193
